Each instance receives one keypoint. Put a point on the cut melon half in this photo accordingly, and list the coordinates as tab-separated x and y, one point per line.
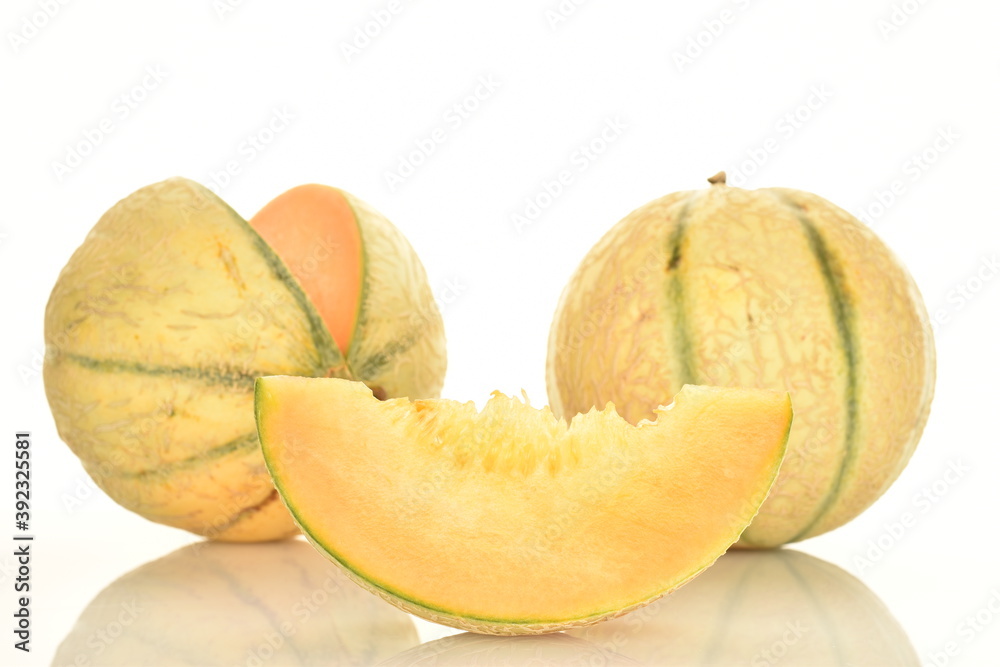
507	520
316	225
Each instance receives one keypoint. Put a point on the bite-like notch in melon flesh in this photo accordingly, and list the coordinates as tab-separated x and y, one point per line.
507	520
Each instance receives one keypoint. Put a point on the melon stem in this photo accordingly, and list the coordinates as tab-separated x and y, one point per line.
718	179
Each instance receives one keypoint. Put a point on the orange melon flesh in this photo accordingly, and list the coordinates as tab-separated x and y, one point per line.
507	520
313	229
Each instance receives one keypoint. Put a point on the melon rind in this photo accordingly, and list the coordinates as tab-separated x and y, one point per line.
771	288
299	508
160	322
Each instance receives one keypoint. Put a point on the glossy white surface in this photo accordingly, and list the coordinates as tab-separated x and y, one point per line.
284	604
609	68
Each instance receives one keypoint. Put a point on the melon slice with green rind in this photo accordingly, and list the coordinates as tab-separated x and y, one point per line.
507	520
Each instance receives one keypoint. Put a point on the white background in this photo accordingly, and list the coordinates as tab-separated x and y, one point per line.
889	91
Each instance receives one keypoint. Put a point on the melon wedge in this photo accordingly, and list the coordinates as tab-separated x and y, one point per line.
507	520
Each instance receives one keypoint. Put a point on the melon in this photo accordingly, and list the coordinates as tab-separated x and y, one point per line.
162	319
770	288
212	603
762	608
463	650
507	520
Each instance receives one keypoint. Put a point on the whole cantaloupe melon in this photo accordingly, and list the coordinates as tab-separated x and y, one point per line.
174	304
770	288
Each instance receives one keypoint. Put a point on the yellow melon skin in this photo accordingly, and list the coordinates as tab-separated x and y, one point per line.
158	326
762	608
770	288
506	520
208	604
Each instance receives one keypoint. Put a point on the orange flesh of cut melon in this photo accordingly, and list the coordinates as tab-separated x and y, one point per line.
315	232
507	520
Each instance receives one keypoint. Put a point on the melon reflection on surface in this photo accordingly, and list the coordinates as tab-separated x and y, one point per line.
228	604
762	608
467	648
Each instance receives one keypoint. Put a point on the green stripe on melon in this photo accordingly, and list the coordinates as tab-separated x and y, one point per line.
770	288
843	313
676	302
155	331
